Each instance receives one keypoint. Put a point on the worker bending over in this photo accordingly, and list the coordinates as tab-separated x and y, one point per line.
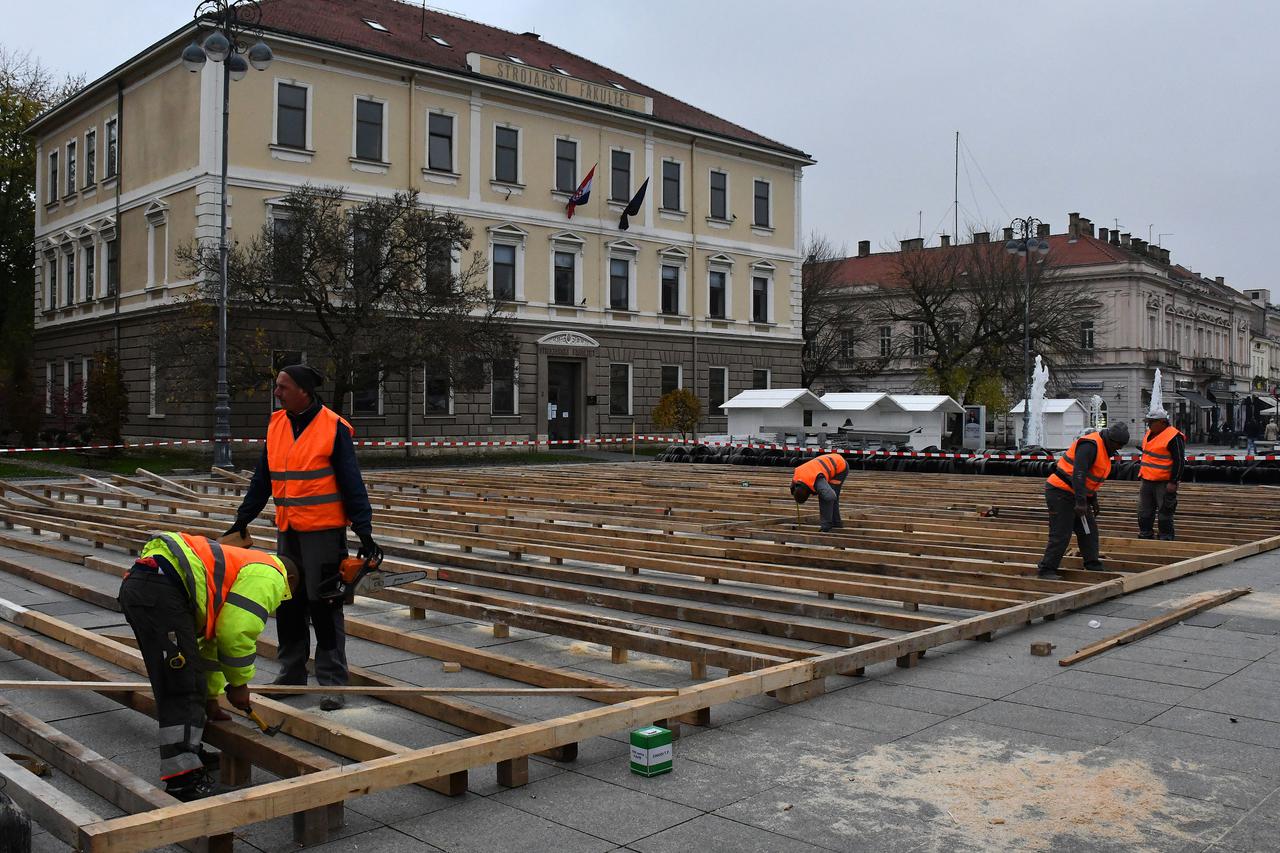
197	608
1071	493
1163	453
822	476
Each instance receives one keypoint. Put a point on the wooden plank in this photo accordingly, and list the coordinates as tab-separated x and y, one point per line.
1151	626
602	694
61	815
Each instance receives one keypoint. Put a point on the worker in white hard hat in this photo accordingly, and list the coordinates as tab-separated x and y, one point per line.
1163	455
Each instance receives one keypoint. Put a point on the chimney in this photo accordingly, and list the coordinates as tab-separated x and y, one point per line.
1008	234
1073	225
864	248
1115	237
1086	227
945	240
1138	245
912	244
1220	281
1102	234
981	237
1042	230
1124	240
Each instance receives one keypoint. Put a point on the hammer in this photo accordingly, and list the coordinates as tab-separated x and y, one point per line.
269	731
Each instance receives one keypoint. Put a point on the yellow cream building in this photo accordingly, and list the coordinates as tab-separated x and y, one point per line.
702	291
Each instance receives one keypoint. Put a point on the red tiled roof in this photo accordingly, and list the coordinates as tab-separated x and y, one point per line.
342	22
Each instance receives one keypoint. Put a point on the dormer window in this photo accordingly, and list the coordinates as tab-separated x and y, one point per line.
439	40
617	85
375	25
559	70
517	60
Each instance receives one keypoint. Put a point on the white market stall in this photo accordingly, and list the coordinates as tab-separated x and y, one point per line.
865	415
928	416
1065	418
773	412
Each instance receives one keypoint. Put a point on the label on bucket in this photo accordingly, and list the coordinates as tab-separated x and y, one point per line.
650	757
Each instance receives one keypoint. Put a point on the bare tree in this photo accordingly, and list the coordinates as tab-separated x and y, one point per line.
832	323
963	308
370	287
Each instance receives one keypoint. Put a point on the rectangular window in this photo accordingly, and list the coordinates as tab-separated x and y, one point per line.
1086	334
620	175
762	205
70	264
369	130
366	388
71	168
436	400
53	284
85	378
886	341
716	294
52	182
439	142
280	359
759	299
366	260
291	116
760	380
717	390
506	155
619	389
90	271
90	157
670	378
504	272
564	262
112	151
670	289
48	387
670	185
719	195
155	407
505	376
917	339
566	165
113	267
282	240
619	283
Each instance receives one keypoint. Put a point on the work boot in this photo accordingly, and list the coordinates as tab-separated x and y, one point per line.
825	528
1165	537
333	702
211	760
1049	575
1146	536
194	785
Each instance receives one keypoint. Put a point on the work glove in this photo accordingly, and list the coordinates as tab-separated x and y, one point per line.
369	549
1173	487
215	712
238	695
1082	508
1094	506
240	528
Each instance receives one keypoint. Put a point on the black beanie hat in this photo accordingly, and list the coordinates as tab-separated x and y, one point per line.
306	376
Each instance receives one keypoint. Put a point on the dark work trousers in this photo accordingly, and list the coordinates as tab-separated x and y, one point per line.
1151	501
1062	521
829	503
318	554
163	622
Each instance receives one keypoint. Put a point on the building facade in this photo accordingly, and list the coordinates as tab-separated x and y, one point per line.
702	291
1149	313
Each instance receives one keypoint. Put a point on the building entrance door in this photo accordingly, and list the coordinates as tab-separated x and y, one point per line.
564	400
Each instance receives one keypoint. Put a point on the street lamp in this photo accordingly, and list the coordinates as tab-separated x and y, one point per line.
231	21
1026	245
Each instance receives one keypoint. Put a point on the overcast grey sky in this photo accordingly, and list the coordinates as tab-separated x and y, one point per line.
1161	115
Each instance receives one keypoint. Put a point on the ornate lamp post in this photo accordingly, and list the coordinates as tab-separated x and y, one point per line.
1025	245
230	21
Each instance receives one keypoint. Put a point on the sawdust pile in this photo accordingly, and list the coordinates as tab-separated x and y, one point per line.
1011	798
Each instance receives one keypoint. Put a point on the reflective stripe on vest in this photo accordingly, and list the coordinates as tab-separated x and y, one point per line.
1157	461
1062	473
218	567
303	483
830	465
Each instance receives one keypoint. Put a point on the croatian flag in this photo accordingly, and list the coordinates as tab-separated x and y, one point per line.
582	194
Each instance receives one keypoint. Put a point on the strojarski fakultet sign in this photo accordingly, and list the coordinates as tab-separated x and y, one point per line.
559	84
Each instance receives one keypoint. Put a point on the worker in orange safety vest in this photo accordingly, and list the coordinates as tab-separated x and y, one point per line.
823	476
1071	493
1163	453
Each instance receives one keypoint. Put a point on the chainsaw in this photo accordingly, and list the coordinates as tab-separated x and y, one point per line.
362	576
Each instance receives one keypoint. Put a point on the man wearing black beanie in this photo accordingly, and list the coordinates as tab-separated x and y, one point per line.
309	468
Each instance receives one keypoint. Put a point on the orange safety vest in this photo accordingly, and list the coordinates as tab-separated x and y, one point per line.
222	565
1097	475
830	465
1157	461
302	480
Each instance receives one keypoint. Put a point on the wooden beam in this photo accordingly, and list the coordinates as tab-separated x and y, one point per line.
602	694
63	816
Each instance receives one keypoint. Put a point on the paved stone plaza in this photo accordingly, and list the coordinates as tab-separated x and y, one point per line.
1169	744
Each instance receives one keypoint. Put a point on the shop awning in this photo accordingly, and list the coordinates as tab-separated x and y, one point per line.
1197	399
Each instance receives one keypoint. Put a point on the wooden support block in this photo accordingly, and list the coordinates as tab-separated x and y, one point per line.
1051	617
617	654
910	605
909	660
515	553
311	826
984	637
514	772
235	770
829	596
451	666
697	669
859	672
1042	650
501	630
557	561
632	570
700	717
672	724
466	549
417	613
800	692
712	580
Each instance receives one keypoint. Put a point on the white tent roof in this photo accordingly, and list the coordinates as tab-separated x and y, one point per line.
1052	406
860	401
774	398
927	403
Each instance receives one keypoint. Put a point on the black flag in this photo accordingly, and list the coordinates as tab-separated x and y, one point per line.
634	207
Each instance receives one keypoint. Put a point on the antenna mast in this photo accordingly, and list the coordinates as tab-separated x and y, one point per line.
955	231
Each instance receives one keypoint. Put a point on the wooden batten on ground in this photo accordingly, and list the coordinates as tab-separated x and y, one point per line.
707	567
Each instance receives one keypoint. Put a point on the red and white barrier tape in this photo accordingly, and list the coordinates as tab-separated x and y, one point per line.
626	439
